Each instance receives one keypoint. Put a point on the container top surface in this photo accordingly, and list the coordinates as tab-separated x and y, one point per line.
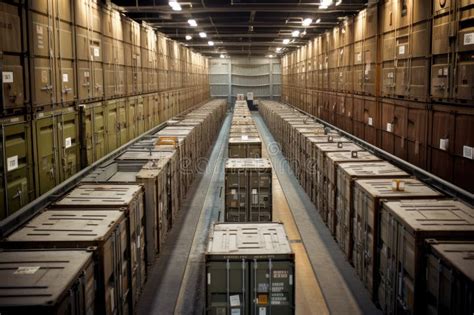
240	163
337	146
178	132
355	156
145	155
101	195
151	169
329	138
382	188
458	254
244	139
67	226
305	129
433	215
248	239
30	278
372	169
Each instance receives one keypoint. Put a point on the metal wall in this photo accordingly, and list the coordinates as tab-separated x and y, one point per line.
231	76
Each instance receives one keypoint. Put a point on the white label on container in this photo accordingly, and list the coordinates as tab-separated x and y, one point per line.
401	50
262	311
65	77
44	76
389	127
26	270
468	152
86	74
235	311
7	77
468	38
445	71
245	137
39	29
67	142
390	75
443	144
359	57
233	191
254	191
370	121
96	51
208	278
234	300
12	163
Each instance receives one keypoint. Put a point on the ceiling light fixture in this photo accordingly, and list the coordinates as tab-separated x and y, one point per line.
318	21
202	35
278	49
307	22
325	4
338	2
174	5
270	56
189	37
192	22
286	41
210	43
295	33
222	56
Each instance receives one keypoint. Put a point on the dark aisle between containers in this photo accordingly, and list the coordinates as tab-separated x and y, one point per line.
182	257
343	292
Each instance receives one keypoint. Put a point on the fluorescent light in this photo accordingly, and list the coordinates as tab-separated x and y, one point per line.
325	4
307	22
192	22
278	49
286	41
270	56
210	43
174	5
338	2
295	33
202	35
222	56
189	37
318	21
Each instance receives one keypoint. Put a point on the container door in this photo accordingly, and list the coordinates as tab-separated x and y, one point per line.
260	198
87	126
12	81
46	154
132	117
122	120
272	288
140	116
227	288
68	143
16	187
99	132
112	126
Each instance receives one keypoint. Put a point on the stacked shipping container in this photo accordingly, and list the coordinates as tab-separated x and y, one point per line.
79	79
397	75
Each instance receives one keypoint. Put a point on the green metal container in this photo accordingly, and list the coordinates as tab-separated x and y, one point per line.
93	132
116	122
56	147
17	185
250	269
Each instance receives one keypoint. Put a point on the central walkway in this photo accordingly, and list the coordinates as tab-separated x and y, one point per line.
325	282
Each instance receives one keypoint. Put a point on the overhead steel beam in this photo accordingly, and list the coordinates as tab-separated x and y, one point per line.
245	44
240	25
234	35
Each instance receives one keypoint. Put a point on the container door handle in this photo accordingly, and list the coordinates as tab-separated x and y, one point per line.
19	194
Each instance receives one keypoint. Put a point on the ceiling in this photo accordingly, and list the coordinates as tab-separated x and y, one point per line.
240	27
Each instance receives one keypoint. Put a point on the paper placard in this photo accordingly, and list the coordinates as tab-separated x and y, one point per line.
359	57
86	74
389	127
234	300
468	152
65	77
390	75
262	311
7	77
235	311
401	50
370	121
68	142
96	51
26	270
468	38
445	71
39	30
443	144
12	163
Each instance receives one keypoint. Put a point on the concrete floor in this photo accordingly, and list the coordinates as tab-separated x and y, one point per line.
325	283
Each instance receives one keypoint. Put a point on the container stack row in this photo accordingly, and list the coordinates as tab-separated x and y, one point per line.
80	79
398	75
101	236
381	217
248	177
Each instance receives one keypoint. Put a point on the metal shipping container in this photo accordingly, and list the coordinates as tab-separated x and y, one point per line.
369	194
245	146
404	227
131	199
93	132
104	232
30	282
248	190
250	269
449	277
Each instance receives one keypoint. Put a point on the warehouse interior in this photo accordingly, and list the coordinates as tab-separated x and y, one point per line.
237	157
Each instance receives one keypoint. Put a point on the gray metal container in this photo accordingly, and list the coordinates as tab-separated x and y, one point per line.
250	269
30	282
248	190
